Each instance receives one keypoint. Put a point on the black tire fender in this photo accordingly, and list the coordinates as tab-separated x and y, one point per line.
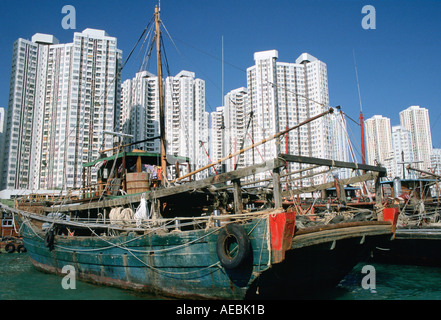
10	248
49	239
21	248
230	234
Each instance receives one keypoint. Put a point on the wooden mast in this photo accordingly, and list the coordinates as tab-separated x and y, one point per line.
161	96
363	150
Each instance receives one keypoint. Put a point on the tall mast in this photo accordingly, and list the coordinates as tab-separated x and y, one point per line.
161	95
363	150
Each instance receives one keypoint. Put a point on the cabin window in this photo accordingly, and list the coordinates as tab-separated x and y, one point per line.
7	220
105	173
7	223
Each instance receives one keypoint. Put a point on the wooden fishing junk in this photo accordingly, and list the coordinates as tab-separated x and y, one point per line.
223	237
206	238
10	240
418	234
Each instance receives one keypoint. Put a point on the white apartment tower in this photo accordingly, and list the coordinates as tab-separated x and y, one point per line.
379	142
416	120
282	95
126	101
235	126
26	96
186	120
217	136
403	152
140	111
2	138
435	161
68	95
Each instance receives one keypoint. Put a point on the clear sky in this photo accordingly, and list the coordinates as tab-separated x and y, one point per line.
399	62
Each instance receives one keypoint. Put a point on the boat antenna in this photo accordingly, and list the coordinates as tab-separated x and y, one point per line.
161	94
363	149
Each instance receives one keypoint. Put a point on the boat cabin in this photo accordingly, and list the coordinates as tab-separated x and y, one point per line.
7	228
131	172
350	192
410	188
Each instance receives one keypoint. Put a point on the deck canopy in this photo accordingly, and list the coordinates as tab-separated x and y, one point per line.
151	158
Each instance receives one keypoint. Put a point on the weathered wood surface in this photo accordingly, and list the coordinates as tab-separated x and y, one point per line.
418	233
334	163
209	182
364	177
189	186
365	229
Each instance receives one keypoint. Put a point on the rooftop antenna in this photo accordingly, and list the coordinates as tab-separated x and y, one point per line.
363	150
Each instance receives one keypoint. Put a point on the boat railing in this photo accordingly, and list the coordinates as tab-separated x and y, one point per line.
175	224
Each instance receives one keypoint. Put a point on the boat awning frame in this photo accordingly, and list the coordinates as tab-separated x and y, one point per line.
170	158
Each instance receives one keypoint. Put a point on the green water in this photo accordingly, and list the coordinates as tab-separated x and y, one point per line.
392	282
20	281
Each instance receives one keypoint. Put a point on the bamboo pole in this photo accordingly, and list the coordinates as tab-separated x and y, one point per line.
255	145
425	172
130	144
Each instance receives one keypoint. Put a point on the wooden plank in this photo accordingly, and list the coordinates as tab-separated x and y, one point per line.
138	164
237	192
221	178
378	214
365	228
340	190
364	177
333	163
277	189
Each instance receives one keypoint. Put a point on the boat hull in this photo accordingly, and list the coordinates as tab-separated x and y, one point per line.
320	260
177	264
414	246
186	264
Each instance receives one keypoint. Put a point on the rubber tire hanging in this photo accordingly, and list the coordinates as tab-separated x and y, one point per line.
10	248
233	233
49	239
21	248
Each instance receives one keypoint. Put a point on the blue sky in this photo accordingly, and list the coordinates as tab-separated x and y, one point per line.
399	63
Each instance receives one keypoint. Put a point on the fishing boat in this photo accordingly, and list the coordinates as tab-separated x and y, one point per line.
139	228
10	240
206	252
418	235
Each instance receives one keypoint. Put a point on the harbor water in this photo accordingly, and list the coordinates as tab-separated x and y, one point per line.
20	281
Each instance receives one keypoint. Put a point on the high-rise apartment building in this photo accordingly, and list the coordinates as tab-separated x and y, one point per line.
379	142
282	95
140	111
186	120
435	161
235	126
403	153
416	120
22	103
2	138
217	137
62	98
